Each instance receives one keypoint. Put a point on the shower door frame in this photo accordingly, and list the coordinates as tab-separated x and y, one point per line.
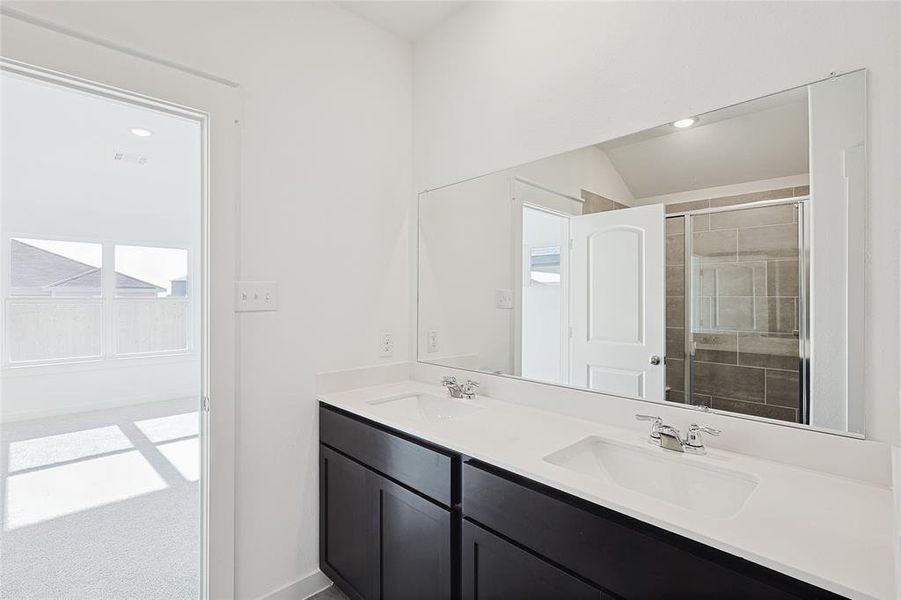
803	312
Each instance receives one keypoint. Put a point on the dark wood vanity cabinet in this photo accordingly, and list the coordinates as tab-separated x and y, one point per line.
382	539
403	519
495	569
413	544
625	557
345	523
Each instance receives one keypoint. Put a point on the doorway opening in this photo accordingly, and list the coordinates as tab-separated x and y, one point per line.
103	349
545	295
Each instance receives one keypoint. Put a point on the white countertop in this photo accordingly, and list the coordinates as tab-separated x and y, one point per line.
832	532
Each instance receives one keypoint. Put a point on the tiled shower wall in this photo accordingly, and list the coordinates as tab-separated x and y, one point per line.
745	306
594	203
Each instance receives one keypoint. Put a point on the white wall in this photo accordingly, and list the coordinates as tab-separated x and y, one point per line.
586	168
896	448
465	256
471	241
533	79
326	153
838	201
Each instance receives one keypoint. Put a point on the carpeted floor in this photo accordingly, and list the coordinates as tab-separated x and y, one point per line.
102	505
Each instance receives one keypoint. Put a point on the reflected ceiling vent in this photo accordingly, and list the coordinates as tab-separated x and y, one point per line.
131	157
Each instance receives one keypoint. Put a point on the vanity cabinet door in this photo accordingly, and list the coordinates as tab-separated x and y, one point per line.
412	544
345	523
494	569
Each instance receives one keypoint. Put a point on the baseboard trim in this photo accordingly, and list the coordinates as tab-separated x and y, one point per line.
301	589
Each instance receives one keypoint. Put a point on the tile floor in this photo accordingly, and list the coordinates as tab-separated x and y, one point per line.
331	593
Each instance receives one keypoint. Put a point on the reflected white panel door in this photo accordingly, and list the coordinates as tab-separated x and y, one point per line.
618	304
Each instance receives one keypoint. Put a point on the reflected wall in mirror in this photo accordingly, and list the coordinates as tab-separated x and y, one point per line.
715	262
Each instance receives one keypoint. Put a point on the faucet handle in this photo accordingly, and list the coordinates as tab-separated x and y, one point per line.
693	441
657	420
657	423
448	380
694	427
468	389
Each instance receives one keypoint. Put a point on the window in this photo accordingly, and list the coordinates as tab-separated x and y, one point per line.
53	309
151	299
54	269
65	303
144	272
544	265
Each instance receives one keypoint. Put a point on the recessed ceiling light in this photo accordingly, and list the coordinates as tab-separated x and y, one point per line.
683	123
141	132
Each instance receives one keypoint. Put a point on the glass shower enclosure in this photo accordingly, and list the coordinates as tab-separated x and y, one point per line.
737	311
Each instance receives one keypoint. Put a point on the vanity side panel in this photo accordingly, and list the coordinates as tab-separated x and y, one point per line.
629	558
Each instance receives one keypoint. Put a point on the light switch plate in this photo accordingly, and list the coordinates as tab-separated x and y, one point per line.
256	296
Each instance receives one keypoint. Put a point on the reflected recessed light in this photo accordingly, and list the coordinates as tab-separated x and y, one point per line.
683	123
141	132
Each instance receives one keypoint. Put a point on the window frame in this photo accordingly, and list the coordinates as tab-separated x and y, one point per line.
107	300
187	300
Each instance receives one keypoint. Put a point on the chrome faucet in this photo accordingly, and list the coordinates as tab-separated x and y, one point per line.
669	438
465	390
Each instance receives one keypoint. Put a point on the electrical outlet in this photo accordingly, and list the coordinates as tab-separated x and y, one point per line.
386	344
503	299
255	296
432	342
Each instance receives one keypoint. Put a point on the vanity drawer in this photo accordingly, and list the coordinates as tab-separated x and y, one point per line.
423	468
625	556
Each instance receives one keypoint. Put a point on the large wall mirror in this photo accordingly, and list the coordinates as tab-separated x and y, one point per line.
715	262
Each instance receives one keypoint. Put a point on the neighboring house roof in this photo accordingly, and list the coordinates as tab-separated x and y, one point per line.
33	267
92	279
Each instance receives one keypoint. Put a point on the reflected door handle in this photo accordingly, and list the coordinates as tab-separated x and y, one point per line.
655	360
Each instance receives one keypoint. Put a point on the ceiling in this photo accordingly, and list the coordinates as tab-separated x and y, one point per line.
758	140
409	20
74	168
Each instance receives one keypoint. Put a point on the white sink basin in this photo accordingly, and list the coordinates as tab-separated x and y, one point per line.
676	478
426	406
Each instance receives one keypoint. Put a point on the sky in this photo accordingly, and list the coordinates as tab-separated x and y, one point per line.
154	265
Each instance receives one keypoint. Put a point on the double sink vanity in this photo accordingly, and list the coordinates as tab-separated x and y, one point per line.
427	496
707	270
